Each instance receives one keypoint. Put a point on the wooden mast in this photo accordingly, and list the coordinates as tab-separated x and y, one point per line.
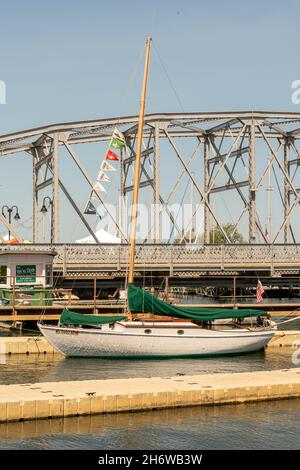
137	169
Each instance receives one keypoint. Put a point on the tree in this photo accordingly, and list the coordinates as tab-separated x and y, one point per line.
187	237
216	235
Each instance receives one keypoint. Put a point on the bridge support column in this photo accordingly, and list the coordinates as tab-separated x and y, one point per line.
286	193
55	191
156	184
35	198
206	185
252	186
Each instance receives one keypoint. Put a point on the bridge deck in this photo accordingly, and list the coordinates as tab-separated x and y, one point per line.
177	260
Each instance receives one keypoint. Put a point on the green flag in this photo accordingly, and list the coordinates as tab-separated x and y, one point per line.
117	143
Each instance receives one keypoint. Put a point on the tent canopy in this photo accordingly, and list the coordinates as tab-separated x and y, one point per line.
103	237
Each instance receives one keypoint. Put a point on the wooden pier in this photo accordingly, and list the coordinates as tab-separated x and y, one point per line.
52	312
34	313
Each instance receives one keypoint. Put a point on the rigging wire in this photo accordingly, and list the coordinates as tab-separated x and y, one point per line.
228	210
258	222
175	219
289	319
282	200
131	81
122	106
168	78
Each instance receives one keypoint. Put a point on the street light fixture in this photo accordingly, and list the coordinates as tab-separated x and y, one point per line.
9	210
47	201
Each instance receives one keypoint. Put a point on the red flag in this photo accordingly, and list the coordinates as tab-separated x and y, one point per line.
110	155
259	292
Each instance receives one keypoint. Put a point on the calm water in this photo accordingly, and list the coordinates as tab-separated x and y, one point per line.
266	425
49	368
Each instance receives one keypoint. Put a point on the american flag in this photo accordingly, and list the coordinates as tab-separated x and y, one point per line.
259	292
267	236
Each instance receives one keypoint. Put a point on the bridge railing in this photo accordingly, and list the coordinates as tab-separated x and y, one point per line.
117	256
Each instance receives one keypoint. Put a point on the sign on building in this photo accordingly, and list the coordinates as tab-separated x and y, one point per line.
25	273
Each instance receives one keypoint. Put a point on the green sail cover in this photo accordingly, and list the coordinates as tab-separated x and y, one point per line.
140	301
73	318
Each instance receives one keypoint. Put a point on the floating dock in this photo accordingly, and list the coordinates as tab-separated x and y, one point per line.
26	345
58	399
285	338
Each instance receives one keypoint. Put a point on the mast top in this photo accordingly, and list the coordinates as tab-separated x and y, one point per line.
137	169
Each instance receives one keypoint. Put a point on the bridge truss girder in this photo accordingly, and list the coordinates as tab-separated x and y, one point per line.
221	142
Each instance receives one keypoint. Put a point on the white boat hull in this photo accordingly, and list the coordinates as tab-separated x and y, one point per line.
124	341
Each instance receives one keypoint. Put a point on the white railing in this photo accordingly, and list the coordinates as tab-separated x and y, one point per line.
109	257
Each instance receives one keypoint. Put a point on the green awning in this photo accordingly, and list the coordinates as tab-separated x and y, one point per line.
140	301
73	318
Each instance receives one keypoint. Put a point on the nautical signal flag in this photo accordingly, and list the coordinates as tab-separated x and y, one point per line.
117	143
90	209
98	187
110	155
259	292
118	139
102	176
106	166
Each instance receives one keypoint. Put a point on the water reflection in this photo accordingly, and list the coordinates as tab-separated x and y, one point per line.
266	425
52	368
3	359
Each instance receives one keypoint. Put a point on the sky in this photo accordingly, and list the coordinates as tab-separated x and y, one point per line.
72	60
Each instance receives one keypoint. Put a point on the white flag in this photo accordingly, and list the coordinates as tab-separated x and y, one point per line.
98	187
118	135
106	166
102	177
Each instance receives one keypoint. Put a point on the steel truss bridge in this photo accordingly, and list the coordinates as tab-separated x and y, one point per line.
235	151
177	261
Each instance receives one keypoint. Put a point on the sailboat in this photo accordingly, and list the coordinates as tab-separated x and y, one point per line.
191	334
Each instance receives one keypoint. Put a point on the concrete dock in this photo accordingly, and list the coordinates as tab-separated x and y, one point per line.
58	399
39	345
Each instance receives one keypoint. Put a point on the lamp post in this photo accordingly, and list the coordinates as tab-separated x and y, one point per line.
8	211
47	201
